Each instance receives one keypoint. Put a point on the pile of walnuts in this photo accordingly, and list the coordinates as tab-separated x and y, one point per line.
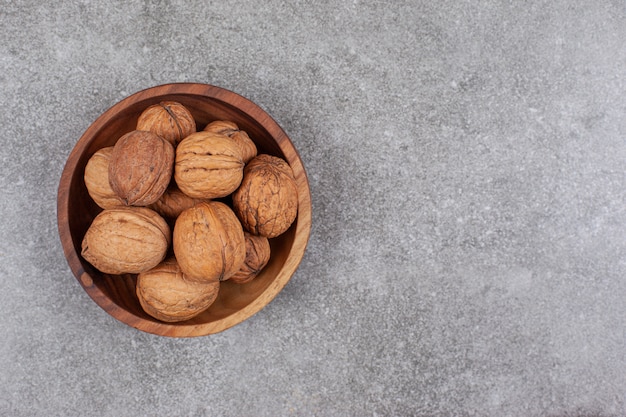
165	217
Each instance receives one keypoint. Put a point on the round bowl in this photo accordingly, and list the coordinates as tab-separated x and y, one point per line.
76	210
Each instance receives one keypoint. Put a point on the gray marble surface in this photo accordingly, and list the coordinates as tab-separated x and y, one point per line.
467	163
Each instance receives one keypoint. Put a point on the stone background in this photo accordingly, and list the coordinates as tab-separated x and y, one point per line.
467	169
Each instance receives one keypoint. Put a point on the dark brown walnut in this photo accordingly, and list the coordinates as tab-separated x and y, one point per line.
167	295
208	165
126	240
97	180
208	242
168	119
230	129
173	202
257	256
140	167
267	200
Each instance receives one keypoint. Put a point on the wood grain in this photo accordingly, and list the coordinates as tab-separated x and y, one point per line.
75	210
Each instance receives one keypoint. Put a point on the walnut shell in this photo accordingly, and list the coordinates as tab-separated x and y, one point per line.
266	203
208	165
173	202
168	119
208	242
140	167
167	295
97	180
230	129
126	240
257	256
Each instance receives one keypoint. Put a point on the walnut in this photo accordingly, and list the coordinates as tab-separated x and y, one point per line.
140	167
257	256
97	179
166	294
173	202
208	242
168	119
126	240
208	165
267	200
230	129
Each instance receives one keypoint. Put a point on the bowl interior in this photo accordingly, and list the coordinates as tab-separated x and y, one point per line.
116	294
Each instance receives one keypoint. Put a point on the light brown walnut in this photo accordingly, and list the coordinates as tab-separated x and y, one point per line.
173	202
140	168
208	242
257	257
167	295
230	129
208	165
266	203
126	240
168	119
97	179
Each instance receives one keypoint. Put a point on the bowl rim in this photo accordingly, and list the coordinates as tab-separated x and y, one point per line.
292	261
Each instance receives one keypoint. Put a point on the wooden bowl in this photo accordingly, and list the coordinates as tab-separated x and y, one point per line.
76	210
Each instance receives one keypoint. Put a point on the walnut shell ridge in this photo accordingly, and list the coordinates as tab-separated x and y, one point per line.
168	119
208	242
208	165
126	240
266	202
230	129
257	257
167	295
140	168
97	180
